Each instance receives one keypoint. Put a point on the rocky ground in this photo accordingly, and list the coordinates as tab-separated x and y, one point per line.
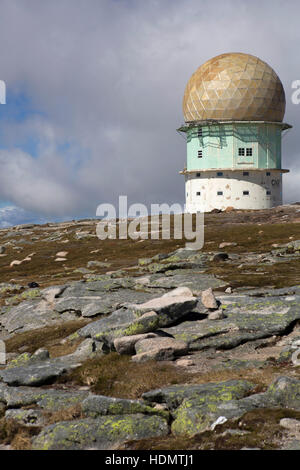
143	344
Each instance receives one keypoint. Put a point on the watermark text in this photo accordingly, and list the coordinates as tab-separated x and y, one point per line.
2	92
164	222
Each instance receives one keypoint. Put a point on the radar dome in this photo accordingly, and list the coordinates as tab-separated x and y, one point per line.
234	86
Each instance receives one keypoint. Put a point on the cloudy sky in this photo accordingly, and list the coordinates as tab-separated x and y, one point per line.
94	95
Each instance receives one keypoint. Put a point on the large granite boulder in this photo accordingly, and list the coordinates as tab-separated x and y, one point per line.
102	433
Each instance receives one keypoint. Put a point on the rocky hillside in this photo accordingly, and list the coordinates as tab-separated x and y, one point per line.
123	344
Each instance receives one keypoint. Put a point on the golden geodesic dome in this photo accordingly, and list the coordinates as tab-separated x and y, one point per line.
234	86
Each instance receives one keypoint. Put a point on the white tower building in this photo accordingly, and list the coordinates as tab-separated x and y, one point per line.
233	108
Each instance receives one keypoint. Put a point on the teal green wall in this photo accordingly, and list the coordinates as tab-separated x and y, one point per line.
220	143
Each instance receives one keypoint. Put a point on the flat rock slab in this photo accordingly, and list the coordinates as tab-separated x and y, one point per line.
177	296
186	254
48	399
194	330
104	285
102	433
196	280
175	395
285	392
122	322
88	304
28	417
263	292
121	318
240	364
159	349
191	419
170	306
36	374
98	405
30	315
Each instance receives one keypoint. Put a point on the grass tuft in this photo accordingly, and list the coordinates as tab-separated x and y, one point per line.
118	376
68	414
48	337
16	435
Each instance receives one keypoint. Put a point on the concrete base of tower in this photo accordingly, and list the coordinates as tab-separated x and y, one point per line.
244	189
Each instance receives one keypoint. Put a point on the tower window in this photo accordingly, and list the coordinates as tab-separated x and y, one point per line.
245	193
220	193
268	193
200	132
245	173
198	193
248	152
268	173
200	154
220	173
198	175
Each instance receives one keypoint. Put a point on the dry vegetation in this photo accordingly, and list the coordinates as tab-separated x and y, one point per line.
254	231
284	274
68	414
17	435
117	376
49	337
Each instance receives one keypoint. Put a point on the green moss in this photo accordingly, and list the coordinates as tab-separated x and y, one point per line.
26	295
100	277
285	355
144	261
173	259
186	425
142	327
81	433
120	427
212	407
19	361
73	336
157	267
